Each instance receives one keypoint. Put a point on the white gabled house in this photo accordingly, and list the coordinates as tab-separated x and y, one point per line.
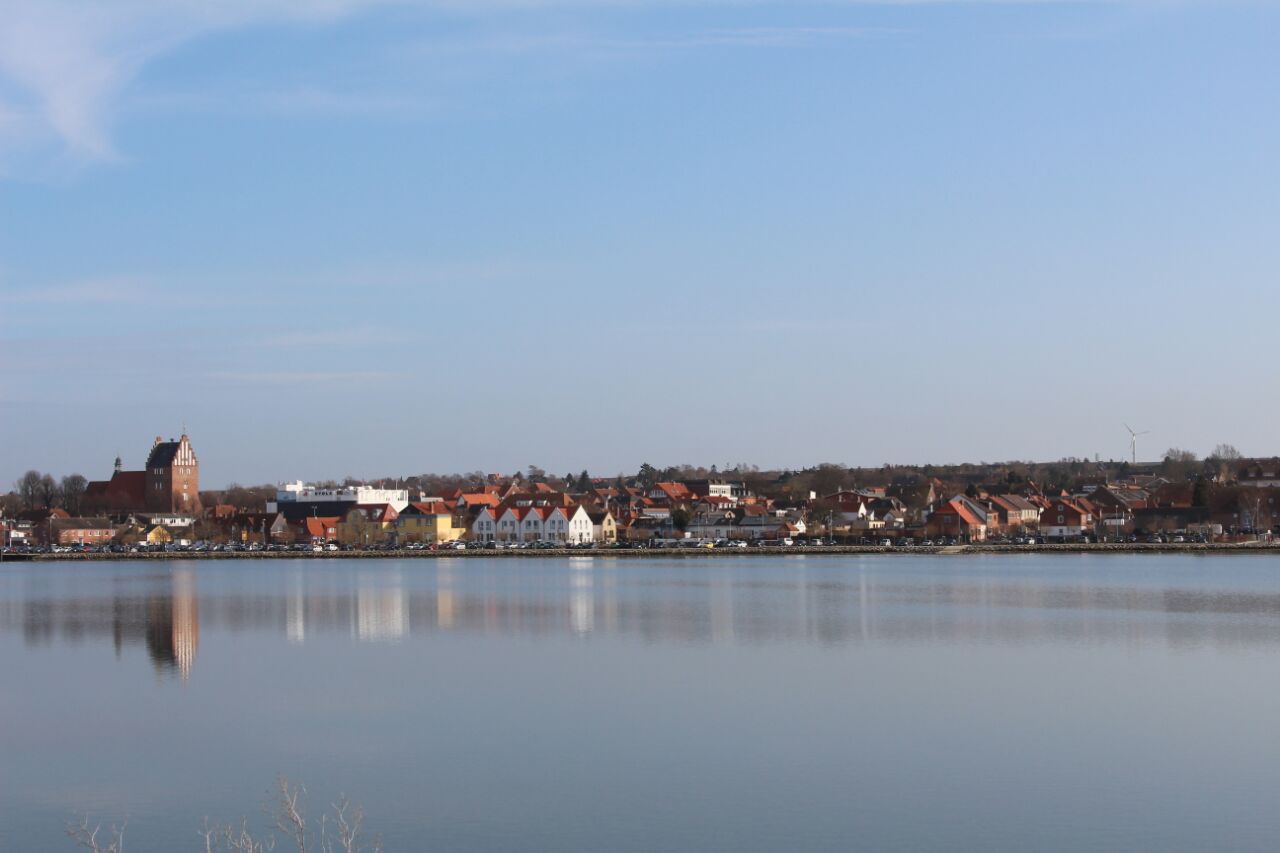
555	525
484	527
510	526
581	528
529	523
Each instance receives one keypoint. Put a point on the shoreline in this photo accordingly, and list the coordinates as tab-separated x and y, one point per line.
1254	548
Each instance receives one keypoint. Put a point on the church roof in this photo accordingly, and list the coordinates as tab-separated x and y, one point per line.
162	454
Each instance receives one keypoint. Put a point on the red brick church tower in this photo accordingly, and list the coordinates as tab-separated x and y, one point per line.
173	477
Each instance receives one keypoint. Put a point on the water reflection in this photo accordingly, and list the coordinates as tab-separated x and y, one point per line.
824	604
173	625
381	613
165	620
582	603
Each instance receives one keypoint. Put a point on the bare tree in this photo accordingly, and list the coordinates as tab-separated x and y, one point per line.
1178	463
87	836
48	494
1225	453
28	488
341	830
72	490
290	821
233	839
1222	462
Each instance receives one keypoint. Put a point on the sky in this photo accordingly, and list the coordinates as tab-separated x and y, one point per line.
358	238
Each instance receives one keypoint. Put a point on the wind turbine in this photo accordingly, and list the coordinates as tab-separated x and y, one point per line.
1133	441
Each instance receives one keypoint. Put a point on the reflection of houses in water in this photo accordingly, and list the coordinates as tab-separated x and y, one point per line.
444	596
718	604
381	614
173	626
582	600
296	621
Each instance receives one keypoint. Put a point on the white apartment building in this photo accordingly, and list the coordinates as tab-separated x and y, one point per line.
329	501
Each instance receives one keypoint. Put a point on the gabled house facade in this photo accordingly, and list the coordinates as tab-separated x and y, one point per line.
957	520
1065	518
432	523
604	527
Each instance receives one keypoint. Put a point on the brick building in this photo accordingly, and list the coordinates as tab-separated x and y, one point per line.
169	483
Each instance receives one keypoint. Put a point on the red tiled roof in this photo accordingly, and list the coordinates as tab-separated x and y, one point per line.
957	508
674	490
485	498
320	527
433	508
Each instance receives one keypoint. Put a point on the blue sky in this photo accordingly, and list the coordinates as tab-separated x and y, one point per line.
363	238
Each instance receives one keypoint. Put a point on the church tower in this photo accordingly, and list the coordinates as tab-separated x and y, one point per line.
173	477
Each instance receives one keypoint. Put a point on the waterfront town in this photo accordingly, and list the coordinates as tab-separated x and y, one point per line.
1224	497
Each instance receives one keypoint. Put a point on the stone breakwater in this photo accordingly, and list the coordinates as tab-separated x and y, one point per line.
673	553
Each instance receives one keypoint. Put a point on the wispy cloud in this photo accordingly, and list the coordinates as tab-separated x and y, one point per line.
295	101
300	377
105	291
359	337
755	37
580	40
65	63
123	291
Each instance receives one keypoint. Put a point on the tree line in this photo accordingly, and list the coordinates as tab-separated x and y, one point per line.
37	490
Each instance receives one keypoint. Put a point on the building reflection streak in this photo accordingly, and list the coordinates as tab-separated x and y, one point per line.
722	609
170	626
186	620
863	629
381	614
582	599
296	620
610	599
444	596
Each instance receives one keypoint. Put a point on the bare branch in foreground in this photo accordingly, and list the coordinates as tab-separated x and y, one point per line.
87	837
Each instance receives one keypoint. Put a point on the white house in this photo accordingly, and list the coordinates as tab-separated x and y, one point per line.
484	527
581	529
715	525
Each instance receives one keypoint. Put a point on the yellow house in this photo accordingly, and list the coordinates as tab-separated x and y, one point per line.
368	525
604	526
158	535
432	523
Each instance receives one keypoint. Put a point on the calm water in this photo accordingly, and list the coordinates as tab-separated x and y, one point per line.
1038	702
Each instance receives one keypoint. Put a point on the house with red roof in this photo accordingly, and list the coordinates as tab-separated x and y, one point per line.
1066	518
673	493
319	530
957	520
473	500
431	522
